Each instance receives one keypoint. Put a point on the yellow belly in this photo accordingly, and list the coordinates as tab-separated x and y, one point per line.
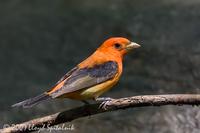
92	92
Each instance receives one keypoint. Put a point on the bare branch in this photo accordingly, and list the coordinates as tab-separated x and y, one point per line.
92	109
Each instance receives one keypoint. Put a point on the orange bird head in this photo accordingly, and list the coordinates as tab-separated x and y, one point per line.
118	46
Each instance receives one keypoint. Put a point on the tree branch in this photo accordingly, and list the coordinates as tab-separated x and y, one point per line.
92	109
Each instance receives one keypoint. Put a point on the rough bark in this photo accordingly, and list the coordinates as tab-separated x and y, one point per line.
92	109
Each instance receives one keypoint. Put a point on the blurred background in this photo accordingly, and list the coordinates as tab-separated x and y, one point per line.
41	40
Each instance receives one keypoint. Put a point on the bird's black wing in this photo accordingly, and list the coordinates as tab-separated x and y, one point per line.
87	77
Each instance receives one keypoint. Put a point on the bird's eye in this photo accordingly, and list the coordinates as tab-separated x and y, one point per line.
117	45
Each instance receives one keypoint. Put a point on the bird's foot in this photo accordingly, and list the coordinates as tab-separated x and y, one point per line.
102	99
105	101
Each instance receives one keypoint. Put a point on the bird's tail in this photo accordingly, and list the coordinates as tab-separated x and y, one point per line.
32	101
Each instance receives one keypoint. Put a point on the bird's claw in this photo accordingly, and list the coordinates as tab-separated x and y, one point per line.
105	101
102	99
104	105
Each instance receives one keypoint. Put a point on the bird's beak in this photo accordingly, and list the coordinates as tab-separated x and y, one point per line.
132	45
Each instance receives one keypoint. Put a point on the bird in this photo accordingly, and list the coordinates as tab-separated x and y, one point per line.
92	77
